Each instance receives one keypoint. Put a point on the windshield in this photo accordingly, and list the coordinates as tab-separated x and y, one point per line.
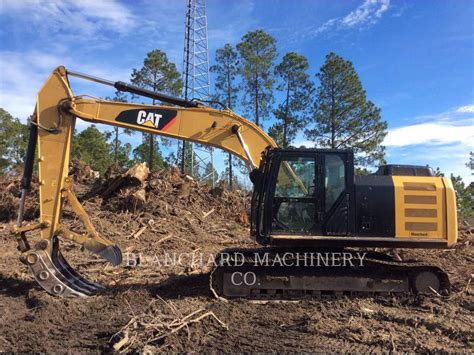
296	177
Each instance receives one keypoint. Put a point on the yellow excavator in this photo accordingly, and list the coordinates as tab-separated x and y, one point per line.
309	211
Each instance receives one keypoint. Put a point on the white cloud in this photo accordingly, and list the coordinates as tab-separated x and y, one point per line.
368	12
365	15
429	133
433	134
304	143
466	109
23	73
451	158
82	17
442	140
21	76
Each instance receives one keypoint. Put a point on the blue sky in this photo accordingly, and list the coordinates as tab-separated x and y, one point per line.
415	58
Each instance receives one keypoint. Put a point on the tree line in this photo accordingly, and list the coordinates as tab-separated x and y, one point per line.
330	108
332	111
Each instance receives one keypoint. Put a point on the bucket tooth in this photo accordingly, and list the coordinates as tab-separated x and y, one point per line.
111	253
96	244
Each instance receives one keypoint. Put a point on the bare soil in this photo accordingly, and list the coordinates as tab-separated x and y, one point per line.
164	306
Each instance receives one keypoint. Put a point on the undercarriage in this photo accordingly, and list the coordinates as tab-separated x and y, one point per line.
275	274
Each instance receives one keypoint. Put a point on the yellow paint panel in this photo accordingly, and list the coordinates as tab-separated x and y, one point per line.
451	213
419	207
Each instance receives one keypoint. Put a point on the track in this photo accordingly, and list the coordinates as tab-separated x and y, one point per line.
273	274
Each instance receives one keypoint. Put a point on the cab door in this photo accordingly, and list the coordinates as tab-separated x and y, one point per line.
311	193
337	192
298	206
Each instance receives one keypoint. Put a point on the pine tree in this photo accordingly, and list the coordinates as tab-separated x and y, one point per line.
91	146
160	75
13	141
464	197
189	159
142	153
276	132
343	117
120	151
210	174
122	158
226	70
226	89
257	51
293	113
470	163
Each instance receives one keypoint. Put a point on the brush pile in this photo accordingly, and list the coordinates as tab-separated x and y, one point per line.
136	190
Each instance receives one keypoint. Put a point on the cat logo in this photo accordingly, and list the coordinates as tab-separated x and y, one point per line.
156	119
149	119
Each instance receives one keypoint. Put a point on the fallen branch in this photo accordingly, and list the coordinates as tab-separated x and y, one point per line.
151	327
205	215
122	342
140	232
176	237
177	325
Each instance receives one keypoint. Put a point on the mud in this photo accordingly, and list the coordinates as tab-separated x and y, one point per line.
154	304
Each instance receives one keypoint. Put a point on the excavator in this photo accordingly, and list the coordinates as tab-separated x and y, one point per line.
319	225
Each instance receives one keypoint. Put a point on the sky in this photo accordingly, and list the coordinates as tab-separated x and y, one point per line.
415	59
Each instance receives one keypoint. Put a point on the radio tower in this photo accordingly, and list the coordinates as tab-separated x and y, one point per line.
196	72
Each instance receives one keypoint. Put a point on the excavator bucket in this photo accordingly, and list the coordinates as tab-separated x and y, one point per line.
51	270
56	276
51	137
46	262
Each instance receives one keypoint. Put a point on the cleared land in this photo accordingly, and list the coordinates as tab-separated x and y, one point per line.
162	305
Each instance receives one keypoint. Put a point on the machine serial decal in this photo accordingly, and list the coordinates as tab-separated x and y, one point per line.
157	118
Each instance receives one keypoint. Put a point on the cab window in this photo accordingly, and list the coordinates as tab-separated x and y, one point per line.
296	178
334	179
295	202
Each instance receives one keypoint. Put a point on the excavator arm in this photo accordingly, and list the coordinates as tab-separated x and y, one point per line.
52	131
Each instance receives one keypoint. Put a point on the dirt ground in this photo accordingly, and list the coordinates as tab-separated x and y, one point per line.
159	305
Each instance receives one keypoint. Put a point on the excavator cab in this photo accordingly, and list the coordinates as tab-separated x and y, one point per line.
302	192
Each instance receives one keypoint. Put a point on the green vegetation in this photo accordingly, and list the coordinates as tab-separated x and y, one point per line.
464	196
120	151
92	147
13	142
160	75
142	153
258	52
293	113
333	111
226	89
343	117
